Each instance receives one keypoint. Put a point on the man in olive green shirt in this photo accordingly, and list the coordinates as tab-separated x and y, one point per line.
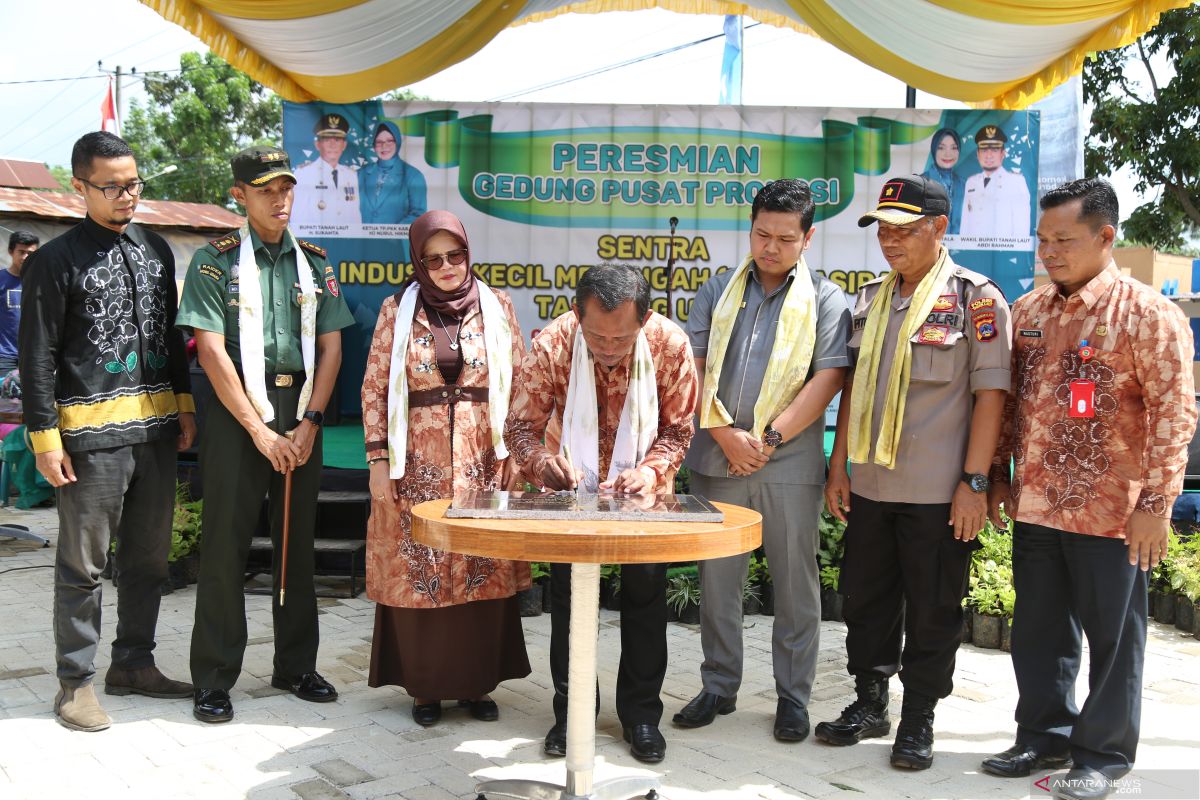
272	383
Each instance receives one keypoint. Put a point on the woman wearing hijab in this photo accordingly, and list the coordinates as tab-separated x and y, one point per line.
434	399
390	191
944	149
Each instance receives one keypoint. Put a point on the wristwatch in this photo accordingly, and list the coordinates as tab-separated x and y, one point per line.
772	437
976	482
315	417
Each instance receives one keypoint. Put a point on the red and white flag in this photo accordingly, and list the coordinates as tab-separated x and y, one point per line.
108	112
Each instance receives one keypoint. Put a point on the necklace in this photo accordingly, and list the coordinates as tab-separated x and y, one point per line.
442	324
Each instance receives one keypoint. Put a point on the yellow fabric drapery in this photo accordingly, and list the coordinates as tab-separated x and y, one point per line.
349	50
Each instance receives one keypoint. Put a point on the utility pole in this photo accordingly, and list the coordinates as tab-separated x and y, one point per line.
117	99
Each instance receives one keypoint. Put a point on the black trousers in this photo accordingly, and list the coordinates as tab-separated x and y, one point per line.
904	575
236	478
1069	584
643	641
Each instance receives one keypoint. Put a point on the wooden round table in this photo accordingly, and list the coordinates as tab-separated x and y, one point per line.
585	545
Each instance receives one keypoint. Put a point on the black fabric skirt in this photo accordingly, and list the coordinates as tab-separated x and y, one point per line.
457	652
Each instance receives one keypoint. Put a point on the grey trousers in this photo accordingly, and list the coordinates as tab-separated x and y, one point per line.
790	514
126	493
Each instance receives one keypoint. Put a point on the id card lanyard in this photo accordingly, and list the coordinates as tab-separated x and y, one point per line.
1083	392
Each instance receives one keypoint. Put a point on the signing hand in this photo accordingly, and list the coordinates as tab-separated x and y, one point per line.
632	481
968	512
1146	537
556	473
55	467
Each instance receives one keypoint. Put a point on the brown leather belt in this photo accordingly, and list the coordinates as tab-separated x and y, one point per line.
445	395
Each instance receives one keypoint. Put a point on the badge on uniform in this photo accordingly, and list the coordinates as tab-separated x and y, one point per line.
981	303
933	334
1030	333
985	325
1083	393
946	302
210	271
332	283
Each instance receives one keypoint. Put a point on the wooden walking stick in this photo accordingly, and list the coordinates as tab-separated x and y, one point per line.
287	523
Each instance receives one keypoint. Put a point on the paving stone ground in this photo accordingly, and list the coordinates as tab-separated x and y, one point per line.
366	745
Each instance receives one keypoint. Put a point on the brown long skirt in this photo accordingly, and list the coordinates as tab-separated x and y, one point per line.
453	653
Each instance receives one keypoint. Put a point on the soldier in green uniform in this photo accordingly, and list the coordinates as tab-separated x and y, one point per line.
267	313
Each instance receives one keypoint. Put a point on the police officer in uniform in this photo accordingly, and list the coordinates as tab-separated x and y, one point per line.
326	190
919	418
997	200
272	381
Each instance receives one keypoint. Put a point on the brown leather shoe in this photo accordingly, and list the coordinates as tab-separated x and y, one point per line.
78	709
147	681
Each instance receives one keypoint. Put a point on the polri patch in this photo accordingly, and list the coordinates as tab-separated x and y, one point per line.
933	334
982	303
210	271
947	302
859	322
1030	333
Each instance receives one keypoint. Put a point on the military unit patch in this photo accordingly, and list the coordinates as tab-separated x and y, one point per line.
226	243
985	325
332	284
209	271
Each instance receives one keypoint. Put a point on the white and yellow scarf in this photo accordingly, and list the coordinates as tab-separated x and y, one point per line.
862	400
250	325
637	429
497	340
791	354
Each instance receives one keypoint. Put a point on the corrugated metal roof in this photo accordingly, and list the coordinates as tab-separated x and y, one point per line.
26	174
155	213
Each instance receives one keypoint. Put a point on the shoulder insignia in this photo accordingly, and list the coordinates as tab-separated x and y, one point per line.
873	281
226	243
312	248
972	277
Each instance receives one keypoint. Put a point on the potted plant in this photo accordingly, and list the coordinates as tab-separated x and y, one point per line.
183	559
831	546
530	600
610	586
752	590
1162	583
683	594
1186	582
991	595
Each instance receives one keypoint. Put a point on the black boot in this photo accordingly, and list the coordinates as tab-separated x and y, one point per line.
914	736
865	718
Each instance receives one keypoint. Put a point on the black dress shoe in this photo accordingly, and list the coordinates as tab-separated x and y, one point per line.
310	686
1020	760
212	705
646	744
703	709
482	710
1083	783
426	714
791	721
556	740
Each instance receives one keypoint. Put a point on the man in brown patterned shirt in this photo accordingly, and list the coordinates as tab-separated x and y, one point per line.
611	309
1097	425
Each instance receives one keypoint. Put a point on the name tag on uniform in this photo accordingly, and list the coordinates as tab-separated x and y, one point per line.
1030	333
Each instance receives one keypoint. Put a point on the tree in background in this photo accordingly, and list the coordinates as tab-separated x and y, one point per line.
197	119
1152	128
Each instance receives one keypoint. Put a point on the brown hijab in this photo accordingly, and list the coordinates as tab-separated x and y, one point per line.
455	303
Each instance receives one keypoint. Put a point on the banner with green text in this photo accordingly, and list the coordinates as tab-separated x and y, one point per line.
545	191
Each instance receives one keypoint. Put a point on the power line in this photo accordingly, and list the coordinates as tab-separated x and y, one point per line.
51	80
42	107
611	67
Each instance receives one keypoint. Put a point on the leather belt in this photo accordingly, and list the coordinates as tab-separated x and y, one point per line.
285	379
445	395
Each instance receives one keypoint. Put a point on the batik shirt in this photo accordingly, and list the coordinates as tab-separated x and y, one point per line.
540	395
1088	474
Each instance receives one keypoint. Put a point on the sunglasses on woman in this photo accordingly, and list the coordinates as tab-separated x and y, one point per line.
455	257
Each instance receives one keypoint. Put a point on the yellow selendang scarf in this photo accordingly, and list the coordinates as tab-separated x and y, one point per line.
791	355
862	401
